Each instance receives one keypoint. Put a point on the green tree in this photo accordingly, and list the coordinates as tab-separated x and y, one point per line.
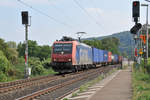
45	52
4	63
3	77
32	48
36	65
42	52
12	44
10	53
21	49
109	44
4	47
94	43
46	63
13	55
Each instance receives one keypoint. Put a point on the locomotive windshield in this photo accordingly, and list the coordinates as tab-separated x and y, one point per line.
66	48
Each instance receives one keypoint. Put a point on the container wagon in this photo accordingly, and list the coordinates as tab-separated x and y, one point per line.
109	58
105	57
116	59
97	56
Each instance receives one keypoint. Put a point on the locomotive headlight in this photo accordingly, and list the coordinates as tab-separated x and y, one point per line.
69	59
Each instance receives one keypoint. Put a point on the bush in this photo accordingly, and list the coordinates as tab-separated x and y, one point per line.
141	84
33	61
46	63
144	96
4	63
21	60
37	69
3	77
36	65
13	55
142	76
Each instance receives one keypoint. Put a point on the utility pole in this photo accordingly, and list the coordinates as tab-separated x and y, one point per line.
147	34
146	5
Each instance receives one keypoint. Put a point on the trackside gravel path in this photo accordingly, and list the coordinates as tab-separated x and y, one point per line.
118	88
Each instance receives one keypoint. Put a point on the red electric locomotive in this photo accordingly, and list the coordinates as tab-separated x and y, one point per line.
69	55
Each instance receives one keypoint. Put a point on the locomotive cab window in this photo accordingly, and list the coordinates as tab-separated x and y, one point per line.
66	48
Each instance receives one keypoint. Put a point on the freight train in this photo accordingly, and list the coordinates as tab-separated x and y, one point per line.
69	55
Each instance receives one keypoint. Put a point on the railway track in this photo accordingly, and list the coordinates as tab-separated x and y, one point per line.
7	84
11	86
66	83
14	91
41	85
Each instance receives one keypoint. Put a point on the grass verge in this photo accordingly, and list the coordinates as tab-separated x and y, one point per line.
140	84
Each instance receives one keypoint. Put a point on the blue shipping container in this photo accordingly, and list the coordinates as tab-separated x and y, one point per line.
97	55
105	56
100	53
116	58
83	54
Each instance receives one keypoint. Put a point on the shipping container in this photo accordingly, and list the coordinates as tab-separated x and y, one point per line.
101	57
116	59
109	57
95	52
83	54
120	58
105	56
97	55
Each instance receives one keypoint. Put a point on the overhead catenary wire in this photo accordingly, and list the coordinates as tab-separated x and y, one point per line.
63	13
97	13
93	4
60	11
39	11
83	9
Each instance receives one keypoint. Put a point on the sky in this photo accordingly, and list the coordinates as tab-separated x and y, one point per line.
52	19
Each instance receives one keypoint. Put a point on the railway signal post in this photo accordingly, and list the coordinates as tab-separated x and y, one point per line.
26	23
136	28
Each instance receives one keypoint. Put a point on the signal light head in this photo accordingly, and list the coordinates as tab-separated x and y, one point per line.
136	9
24	17
136	28
134	4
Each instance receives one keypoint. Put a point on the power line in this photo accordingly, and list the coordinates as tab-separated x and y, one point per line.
39	11
60	11
98	15
93	4
66	16
80	6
